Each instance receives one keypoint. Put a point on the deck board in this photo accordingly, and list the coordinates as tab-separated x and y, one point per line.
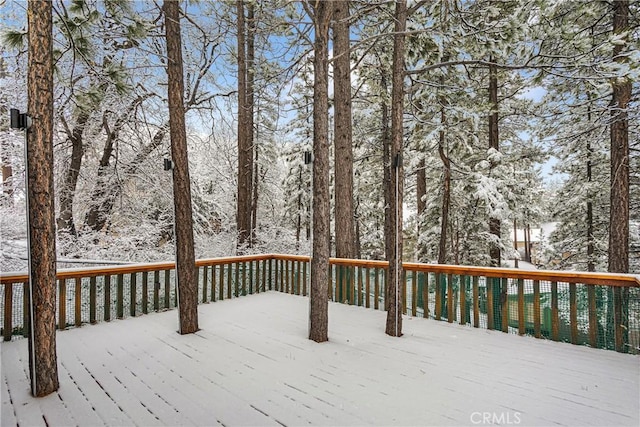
252	364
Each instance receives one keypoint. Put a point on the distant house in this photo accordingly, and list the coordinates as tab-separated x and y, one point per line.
538	237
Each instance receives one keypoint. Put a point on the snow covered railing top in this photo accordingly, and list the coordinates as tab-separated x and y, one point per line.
579	307
587	278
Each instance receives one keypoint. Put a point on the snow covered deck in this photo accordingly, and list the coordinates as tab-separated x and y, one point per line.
252	364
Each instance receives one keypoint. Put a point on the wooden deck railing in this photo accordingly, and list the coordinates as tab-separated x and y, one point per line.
597	309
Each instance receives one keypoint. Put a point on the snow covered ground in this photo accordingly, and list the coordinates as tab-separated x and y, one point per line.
252	364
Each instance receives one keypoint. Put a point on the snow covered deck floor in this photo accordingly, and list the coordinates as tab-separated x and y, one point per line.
251	364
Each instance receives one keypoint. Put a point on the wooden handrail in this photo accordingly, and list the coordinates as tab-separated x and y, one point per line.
610	279
72	273
455	293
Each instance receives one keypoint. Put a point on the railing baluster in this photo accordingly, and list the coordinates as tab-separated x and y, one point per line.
414	293
167	289
332	271
120	297
133	294
92	300
489	290
156	290
213	283
8	312
236	281
299	278
593	317
26	320
349	284
438	297
462	289
205	277
77	315
476	302
251	284
282	276
573	313
62	304
376	288
367	287
425	295
554	311
107	298
450	306
221	283
229	280
521	318
244	278
145	292
360	288
404	291
536	309
504	304
304	279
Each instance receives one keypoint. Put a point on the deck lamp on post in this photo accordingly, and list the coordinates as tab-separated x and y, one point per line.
22	121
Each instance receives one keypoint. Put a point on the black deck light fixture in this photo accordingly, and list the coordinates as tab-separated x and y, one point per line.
22	121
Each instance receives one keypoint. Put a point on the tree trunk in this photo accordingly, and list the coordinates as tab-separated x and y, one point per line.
318	315
7	178
245	135
185	256
446	182
41	212
386	179
394	272
494	223
343	182
421	193
590	237
105	193
5	156
619	214
252	180
65	221
619	217
299	209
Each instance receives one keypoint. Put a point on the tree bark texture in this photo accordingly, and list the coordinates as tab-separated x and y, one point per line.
185	255
619	216
41	210
394	272
494	142
318	321
245	131
343	182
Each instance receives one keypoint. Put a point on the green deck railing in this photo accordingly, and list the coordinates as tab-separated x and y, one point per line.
600	310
